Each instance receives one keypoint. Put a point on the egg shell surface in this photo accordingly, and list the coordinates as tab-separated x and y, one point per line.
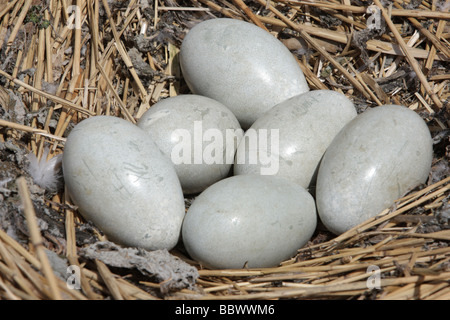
240	65
257	221
373	161
303	126
120	180
201	127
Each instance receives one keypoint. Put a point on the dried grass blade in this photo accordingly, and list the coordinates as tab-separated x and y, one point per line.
8	7
71	253
409	56
123	108
14	271
19	22
122	51
373	45
52	97
109	279
35	236
250	14
19	249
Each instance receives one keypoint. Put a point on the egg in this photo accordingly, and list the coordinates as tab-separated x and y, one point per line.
198	134
120	180
290	139
374	160
248	221
240	65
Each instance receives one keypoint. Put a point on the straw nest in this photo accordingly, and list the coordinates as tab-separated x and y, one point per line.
56	71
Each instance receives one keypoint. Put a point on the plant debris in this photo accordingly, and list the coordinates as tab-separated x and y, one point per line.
121	57
171	272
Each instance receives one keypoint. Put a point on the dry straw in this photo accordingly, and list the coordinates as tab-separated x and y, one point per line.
92	73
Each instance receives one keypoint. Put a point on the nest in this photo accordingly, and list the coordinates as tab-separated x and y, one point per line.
61	62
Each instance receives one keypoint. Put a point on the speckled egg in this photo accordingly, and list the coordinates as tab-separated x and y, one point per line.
120	180
290	139
253	221
240	65
374	160
198	134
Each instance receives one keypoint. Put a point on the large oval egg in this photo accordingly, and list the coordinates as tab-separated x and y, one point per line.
374	160
240	65
290	139
121	181
253	221
198	134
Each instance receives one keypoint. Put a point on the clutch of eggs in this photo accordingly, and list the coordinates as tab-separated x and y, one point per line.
129	179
